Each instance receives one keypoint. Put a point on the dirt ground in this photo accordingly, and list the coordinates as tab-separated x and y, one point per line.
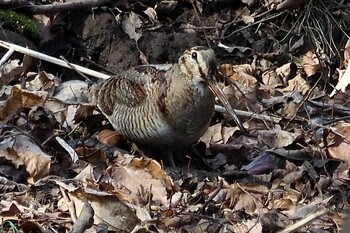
99	38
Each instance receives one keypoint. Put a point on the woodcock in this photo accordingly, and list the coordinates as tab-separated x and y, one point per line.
167	105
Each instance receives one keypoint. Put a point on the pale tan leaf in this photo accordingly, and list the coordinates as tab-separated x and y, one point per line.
218	134
20	98
297	84
151	13
311	63
347	52
108	209
277	138
271	79
343	82
72	92
131	25
43	81
21	150
143	174
68	148
338	144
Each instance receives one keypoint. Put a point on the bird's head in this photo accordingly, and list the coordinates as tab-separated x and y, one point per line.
198	63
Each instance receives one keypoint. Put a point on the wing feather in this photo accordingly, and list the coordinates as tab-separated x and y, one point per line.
132	89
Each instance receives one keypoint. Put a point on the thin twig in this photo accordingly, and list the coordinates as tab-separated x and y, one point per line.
70	205
253	24
211	197
199	20
305	99
304	221
89	81
334	107
251	115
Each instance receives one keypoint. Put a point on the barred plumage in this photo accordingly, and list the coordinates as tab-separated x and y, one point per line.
162	105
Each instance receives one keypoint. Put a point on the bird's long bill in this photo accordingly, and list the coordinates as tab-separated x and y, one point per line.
214	87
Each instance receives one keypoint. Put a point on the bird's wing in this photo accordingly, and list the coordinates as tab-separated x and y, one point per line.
132	89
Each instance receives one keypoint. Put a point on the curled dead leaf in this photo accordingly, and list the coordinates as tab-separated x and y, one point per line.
311	63
218	134
142	173
338	145
344	81
131	25
21	150
20	98
297	84
277	138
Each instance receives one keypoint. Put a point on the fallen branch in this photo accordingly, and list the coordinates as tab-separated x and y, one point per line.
50	59
57	7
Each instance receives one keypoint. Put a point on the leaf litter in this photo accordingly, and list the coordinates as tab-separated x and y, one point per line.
63	167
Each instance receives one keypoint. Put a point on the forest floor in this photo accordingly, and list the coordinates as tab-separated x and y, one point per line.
63	167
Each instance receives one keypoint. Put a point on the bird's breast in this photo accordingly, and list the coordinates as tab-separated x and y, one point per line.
188	113
190	109
157	107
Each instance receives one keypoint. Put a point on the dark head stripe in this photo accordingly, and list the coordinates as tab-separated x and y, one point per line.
184	63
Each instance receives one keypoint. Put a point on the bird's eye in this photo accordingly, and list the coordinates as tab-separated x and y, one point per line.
194	55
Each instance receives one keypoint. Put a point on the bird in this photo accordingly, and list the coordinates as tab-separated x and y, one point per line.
165	105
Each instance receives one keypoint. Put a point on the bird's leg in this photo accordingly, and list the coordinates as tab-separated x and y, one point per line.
169	154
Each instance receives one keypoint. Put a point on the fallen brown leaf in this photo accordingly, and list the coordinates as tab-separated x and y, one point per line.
109	137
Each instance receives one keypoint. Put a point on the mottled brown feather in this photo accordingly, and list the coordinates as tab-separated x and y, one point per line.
114	91
162	95
127	89
162	105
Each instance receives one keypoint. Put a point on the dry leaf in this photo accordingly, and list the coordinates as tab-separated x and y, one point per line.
287	71
338	144
68	148
239	77
271	79
132	180
248	197
21	150
131	25
231	49
217	134
10	71
247	19
241	73
277	138
43	82
297	84
109	137
347	53
73	92
343	82
152	14
283	204
311	63
107	207
20	98
45	25
165	6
